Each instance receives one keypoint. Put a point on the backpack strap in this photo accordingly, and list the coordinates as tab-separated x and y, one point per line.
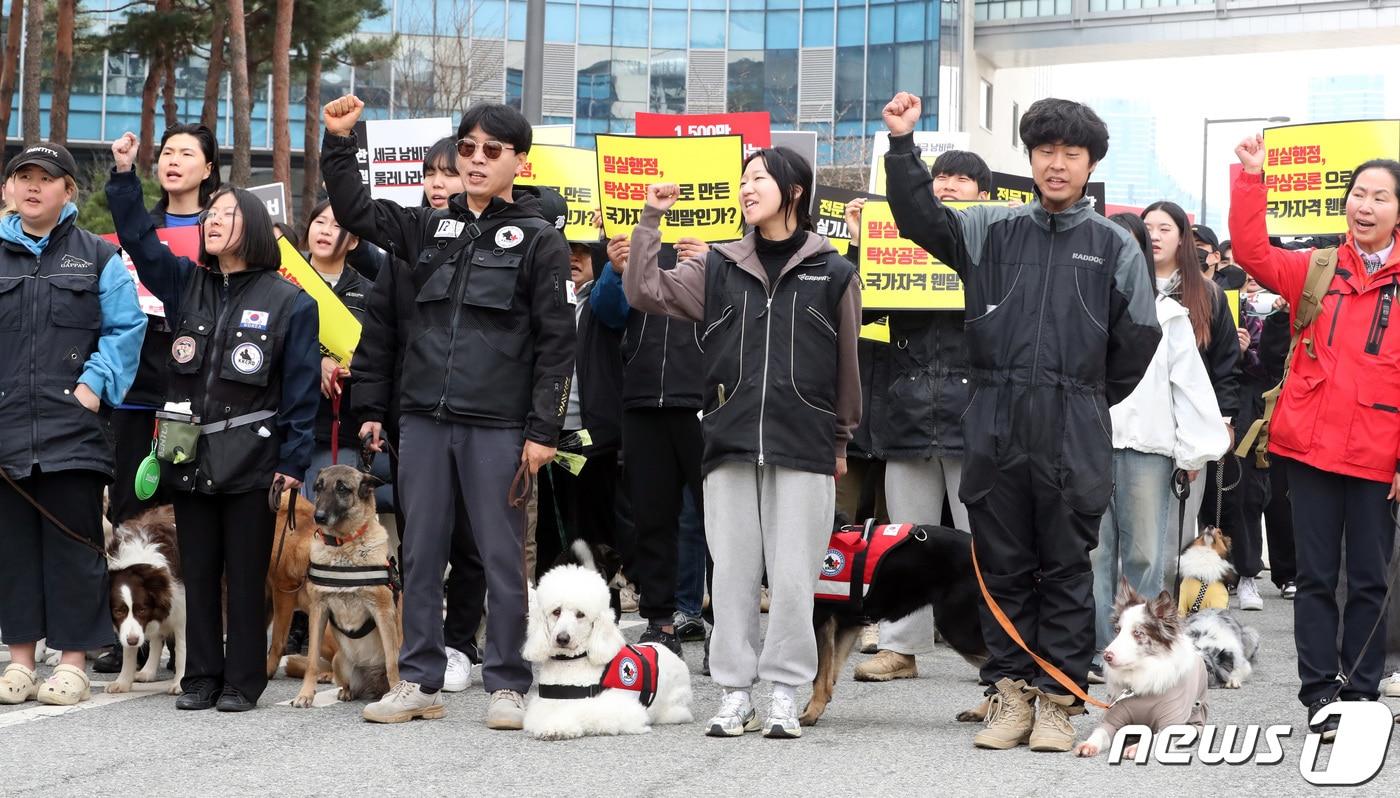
1322	267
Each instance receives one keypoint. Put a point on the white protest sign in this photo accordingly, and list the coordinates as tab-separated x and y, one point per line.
396	150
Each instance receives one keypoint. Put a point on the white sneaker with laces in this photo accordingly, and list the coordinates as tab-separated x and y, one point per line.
736	716
404	702
1249	595
458	676
782	720
506	711
1390	686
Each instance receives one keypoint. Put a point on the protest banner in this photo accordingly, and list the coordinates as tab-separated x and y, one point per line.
274	196
559	135
753	126
931	144
829	213
182	241
572	172
340	330
396	151
707	169
896	273
877	331
1016	188
362	150
1307	168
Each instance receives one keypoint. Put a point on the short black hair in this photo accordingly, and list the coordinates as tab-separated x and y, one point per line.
1135	227
964	164
258	245
1055	121
442	155
209	145
288	232
316	211
789	170
501	122
1224	246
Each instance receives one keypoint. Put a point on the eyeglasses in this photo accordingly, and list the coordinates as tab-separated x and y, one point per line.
491	149
226	216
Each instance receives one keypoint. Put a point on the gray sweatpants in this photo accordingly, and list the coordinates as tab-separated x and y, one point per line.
914	491
436	461
757	516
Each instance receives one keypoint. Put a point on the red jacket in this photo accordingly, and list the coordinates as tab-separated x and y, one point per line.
1340	411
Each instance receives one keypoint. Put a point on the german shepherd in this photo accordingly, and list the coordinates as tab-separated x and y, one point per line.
287	587
932	567
351	546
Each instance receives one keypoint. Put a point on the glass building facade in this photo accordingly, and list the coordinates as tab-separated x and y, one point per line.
822	65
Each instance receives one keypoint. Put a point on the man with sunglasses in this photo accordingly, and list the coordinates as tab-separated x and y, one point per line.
471	334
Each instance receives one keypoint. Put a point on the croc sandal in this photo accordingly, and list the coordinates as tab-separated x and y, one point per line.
65	687
18	684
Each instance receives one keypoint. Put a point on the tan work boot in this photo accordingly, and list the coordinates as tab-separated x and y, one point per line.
1009	717
870	639
1053	731
887	666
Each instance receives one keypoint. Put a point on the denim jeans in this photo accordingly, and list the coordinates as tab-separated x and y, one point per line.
1133	536
690	565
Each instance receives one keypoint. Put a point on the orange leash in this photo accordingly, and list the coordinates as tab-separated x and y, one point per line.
1010	629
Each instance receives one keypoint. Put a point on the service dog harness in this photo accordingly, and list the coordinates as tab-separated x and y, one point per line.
634	668
853	560
337	576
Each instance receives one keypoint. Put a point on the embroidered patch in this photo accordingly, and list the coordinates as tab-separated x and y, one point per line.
182	349
627	671
74	262
833	562
449	228
247	358
254	319
509	236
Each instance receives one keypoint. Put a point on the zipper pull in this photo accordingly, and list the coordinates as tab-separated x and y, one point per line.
225	275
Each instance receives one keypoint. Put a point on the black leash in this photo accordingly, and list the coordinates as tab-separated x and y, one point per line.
1181	489
1345	679
57	524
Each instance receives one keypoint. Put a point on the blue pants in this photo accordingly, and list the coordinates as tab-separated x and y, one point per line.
1133	534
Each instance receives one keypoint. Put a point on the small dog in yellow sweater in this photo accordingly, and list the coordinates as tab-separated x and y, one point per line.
1205	573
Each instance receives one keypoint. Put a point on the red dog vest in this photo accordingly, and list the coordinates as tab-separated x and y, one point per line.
634	668
853	559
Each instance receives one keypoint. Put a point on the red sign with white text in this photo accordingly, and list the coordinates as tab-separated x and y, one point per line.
181	240
754	126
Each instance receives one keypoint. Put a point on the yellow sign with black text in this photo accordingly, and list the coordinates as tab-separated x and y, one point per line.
573	172
896	273
1307	168
707	169
340	330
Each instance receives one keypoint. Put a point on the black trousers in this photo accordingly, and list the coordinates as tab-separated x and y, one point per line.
1278	523
1033	549
50	585
133	430
661	448
225	537
576	507
1331	511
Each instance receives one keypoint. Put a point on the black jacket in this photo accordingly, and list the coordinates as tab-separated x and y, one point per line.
489	334
1060	324
243	343
919	405
599	362
352	289
149	388
1222	354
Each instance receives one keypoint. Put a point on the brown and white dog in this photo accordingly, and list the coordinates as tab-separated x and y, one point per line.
1206	573
350	588
147	595
287	586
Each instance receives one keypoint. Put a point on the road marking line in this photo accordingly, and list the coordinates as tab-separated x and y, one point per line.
102	699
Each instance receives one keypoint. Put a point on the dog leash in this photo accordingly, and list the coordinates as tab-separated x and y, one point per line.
290	527
57	524
1010	629
1181	488
1345	679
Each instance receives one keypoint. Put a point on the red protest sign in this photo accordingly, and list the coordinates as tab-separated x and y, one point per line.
181	240
753	126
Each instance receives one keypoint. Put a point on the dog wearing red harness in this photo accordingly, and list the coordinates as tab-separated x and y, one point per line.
591	682
883	573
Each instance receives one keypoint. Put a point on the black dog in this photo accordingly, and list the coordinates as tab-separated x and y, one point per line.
601	558
932	566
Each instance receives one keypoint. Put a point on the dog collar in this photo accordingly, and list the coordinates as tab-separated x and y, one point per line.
331	540
569	657
567	691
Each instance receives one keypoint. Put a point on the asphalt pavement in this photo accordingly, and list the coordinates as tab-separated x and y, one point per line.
897	739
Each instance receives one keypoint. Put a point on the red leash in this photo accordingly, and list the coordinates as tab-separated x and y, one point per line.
335	425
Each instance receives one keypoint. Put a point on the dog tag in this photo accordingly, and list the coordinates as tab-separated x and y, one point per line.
148	476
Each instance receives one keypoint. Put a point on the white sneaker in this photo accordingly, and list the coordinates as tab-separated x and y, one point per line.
506	711
1249	595
1390	686
782	720
736	716
629	598
458	676
870	638
403	703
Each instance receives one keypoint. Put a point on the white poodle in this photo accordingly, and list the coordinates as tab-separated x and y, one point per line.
590	681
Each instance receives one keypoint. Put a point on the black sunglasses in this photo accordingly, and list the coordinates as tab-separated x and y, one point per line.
491	149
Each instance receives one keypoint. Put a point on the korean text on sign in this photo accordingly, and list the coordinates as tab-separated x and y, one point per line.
706	169
572	172
1307	168
897	274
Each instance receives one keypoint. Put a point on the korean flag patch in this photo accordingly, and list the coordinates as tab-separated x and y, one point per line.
254	320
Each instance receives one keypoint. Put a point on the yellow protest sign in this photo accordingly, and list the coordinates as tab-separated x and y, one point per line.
896	273
340	330
707	169
877	331
1307	167
572	172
